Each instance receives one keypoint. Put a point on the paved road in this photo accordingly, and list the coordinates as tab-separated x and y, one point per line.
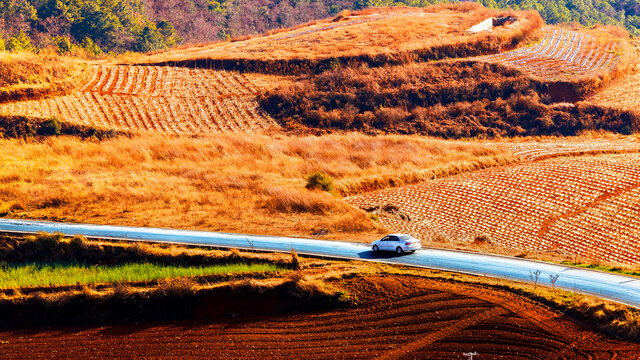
623	289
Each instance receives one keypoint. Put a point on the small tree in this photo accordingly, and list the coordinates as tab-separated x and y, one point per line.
534	276
553	279
20	42
320	181
2	47
63	44
91	48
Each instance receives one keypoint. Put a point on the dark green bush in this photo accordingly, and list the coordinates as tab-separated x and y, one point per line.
320	181
51	126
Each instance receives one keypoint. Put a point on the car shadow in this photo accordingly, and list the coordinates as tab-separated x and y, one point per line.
380	254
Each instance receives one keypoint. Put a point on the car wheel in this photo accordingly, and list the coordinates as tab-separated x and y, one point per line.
375	248
399	250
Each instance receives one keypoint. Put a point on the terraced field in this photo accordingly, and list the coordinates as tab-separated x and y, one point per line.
583	206
563	55
173	100
400	318
540	149
625	93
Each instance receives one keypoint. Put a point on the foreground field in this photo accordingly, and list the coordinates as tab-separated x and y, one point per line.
238	183
429	319
583	207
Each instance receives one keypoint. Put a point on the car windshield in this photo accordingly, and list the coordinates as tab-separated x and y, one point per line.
406	237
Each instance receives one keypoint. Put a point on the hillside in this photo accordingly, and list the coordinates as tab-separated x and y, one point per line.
375	37
149	25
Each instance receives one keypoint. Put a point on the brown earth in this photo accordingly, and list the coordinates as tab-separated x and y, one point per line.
398	317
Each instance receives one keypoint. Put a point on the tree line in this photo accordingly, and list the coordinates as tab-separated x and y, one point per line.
97	26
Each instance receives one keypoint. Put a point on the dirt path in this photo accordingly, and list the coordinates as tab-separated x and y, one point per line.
398	318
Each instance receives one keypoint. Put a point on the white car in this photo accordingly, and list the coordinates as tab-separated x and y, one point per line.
400	243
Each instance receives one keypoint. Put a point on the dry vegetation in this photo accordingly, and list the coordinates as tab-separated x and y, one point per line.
446	99
376	36
27	76
239	183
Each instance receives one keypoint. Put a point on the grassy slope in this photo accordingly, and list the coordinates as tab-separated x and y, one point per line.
238	183
56	274
27	75
386	39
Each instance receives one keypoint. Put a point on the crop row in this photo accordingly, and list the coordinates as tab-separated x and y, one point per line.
561	55
137	113
585	206
536	150
138	98
167	81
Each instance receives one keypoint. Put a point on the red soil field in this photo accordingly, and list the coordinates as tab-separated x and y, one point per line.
146	98
577	206
399	317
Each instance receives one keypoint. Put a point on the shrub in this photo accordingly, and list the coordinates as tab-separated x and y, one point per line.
20	42
320	181
63	44
91	48
50	127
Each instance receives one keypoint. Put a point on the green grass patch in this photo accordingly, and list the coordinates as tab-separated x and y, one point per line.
39	274
607	268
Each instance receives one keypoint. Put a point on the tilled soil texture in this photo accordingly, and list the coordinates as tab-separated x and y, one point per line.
398	317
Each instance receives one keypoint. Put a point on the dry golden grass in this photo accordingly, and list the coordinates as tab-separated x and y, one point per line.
373	32
27	75
236	182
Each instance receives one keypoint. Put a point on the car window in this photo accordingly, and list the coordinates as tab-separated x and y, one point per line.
406	237
386	238
393	238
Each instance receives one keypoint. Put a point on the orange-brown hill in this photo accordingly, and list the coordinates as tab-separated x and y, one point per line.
375	36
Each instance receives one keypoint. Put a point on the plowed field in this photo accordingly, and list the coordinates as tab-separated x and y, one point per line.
146	98
585	206
399	318
563	55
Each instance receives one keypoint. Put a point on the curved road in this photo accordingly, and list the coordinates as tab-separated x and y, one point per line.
619	288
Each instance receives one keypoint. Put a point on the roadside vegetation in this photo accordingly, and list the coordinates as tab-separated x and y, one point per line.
47	279
235	182
56	274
